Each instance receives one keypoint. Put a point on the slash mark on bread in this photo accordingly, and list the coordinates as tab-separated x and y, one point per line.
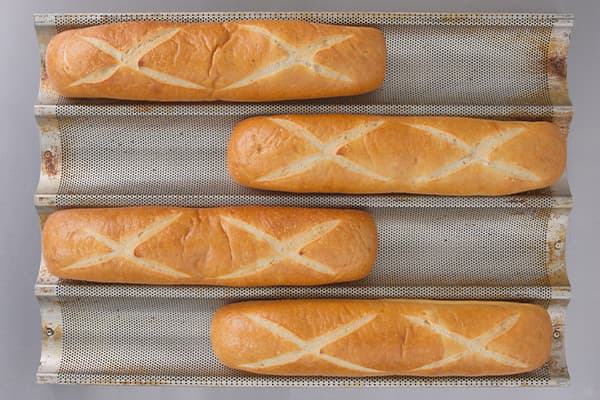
304	56
312	347
478	154
288	249
326	151
472	346
131	59
126	249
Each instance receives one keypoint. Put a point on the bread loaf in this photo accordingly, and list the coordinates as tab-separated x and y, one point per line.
382	337
238	246
237	61
381	154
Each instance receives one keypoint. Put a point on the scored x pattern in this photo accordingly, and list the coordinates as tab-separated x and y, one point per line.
478	154
125	248
288	249
304	56
310	347
131	58
326	151
476	345
314	346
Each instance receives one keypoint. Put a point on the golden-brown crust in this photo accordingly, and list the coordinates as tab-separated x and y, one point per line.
236	246
382	154
164	61
382	337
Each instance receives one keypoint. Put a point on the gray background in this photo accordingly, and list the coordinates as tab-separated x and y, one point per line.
19	169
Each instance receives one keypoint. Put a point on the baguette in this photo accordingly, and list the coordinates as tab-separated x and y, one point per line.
237	61
382	337
382	154
237	246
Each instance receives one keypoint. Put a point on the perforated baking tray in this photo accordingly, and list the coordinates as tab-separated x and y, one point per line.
98	153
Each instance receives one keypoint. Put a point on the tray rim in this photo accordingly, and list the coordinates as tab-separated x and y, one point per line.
40	17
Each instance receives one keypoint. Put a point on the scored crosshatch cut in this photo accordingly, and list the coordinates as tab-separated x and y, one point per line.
480	153
296	56
284	249
313	347
310	347
131	59
327	151
476	345
126	249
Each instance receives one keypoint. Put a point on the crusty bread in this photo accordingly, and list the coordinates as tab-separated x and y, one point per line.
382	337
237	61
237	246
382	154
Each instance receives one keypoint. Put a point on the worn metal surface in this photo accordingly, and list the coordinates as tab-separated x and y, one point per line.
52	338
530	84
557	366
508	62
44	33
51	153
101	331
557	63
445	253
555	247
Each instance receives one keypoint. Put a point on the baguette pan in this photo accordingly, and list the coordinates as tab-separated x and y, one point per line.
381	154
238	61
382	337
239	246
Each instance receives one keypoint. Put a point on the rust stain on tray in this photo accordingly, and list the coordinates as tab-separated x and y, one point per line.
57	332
555	258
49	200
48	125
45	85
557	54
50	330
49	163
563	121
557	65
554	262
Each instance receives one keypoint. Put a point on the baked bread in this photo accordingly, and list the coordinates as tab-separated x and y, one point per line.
237	61
237	246
382	337
381	154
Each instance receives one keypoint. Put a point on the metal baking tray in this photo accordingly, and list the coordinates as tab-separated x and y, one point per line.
104	153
